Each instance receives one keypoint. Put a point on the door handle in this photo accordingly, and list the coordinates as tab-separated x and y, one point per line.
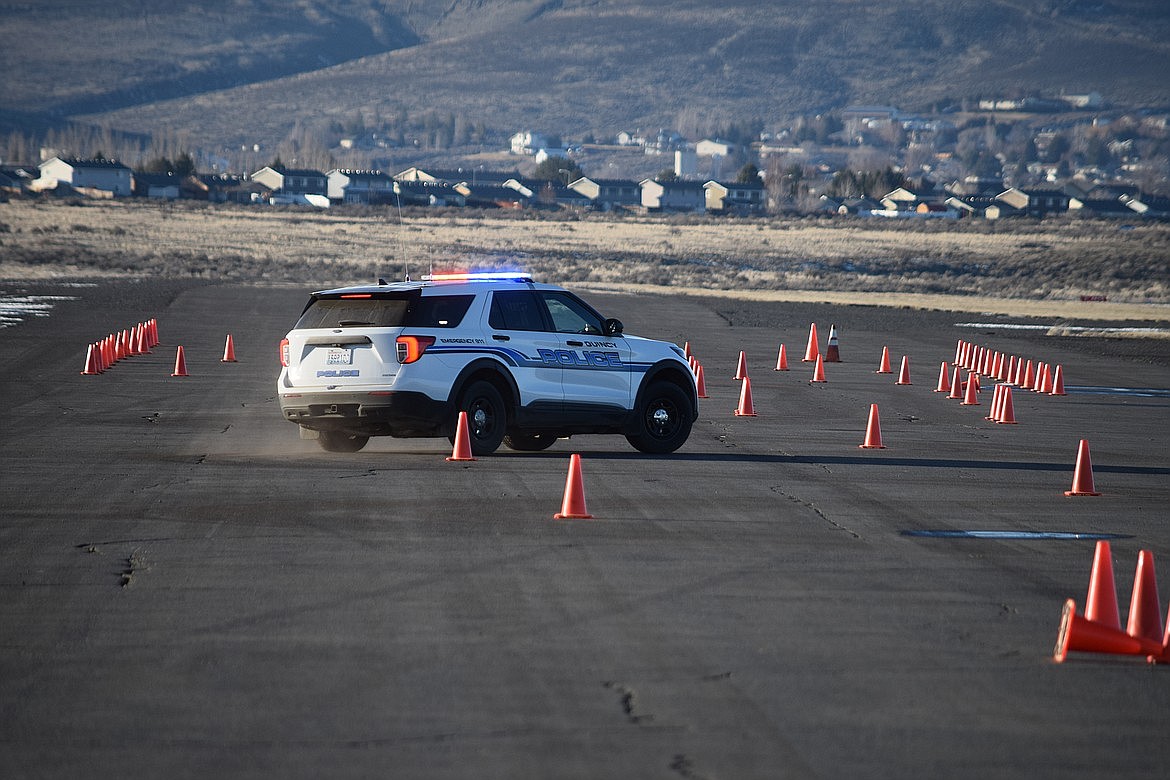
499	337
575	343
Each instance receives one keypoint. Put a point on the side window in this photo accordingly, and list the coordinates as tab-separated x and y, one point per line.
570	315
439	311
518	310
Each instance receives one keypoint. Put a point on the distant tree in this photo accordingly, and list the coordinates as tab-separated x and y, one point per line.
184	165
748	174
666	174
871	184
276	163
559	169
158	165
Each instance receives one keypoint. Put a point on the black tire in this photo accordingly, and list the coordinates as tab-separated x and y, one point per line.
341	441
529	442
664	419
487	418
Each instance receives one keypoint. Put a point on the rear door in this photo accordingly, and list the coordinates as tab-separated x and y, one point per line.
519	333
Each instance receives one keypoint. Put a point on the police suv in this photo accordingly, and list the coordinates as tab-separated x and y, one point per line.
528	362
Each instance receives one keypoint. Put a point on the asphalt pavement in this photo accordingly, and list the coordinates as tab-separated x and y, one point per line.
187	589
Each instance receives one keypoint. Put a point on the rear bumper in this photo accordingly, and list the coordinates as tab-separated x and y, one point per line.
372	413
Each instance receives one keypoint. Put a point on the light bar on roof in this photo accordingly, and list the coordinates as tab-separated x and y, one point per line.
479	276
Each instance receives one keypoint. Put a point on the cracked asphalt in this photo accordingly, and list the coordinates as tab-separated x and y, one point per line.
187	589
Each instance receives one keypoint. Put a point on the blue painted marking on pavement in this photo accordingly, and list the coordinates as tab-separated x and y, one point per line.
949	534
1136	392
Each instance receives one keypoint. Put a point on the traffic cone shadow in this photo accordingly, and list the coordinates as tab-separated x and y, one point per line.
462	448
1083	474
873	431
180	363
573	503
745	408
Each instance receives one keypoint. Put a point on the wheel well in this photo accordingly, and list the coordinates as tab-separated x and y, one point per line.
676	376
487	371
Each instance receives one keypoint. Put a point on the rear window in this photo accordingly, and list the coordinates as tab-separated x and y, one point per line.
399	310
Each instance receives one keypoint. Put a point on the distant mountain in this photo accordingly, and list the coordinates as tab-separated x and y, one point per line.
230	71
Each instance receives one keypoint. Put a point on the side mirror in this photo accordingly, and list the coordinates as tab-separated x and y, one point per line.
613	327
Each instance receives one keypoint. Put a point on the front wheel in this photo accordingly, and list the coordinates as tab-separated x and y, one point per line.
340	441
487	419
664	419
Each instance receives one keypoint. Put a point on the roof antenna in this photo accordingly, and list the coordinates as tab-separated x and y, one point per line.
401	243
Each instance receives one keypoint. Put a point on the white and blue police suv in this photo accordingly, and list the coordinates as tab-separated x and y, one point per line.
529	363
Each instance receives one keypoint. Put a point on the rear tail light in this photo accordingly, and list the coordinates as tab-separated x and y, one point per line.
411	348
284	352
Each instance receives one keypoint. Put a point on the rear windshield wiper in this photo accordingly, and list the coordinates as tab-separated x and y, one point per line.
352	323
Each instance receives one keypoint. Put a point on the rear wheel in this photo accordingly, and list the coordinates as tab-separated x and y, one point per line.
487	419
529	442
664	419
341	441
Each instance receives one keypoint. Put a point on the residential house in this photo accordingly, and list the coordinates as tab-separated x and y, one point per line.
608	194
15	180
101	178
1148	205
903	199
223	188
162	186
455	176
527	142
492	196
293	181
365	187
427	193
673	195
1035	202
715	147
1098	207
735	197
861	207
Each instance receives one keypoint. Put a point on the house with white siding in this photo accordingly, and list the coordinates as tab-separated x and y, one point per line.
102	176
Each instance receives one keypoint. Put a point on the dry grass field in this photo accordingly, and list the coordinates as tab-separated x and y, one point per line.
1025	268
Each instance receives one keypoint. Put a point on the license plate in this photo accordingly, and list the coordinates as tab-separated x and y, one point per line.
339	356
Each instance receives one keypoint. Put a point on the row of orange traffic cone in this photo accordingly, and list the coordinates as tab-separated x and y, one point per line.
1099	630
1038	377
103	354
573	502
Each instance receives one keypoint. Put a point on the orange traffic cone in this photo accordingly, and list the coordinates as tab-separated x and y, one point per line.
91	365
956	384
1007	409
700	381
100	357
1101	601
142	345
741	369
819	371
462	449
687	349
812	351
1058	382
1085	636
1029	377
1145	612
873	431
781	360
1083	475
958	350
904	372
1041	370
745	400
996	398
833	350
154	332
971	396
944	380
573	504
180	363
1010	374
884	365
229	351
